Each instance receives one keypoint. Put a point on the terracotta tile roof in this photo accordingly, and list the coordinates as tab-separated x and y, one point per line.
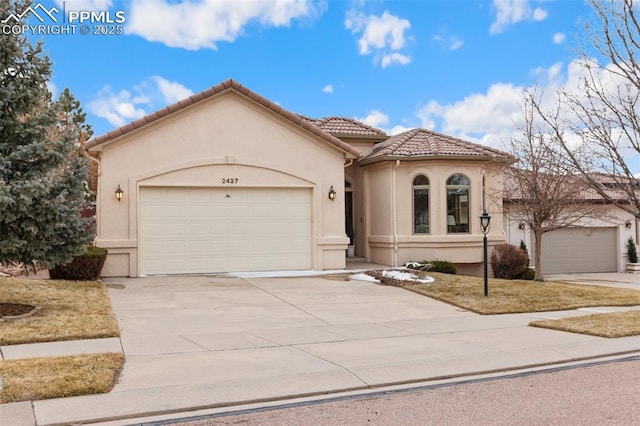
423	143
345	127
213	91
579	189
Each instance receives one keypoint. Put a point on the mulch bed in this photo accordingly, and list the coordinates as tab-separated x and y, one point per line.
14	309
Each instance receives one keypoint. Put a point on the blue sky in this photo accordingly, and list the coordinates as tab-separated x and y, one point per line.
452	66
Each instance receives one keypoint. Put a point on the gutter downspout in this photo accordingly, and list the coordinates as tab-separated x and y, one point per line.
394	213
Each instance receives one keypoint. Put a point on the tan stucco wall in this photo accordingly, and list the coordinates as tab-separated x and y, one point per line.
355	175
227	136
397	244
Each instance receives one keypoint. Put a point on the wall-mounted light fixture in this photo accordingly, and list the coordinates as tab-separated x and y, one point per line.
332	193
119	193
627	224
521	225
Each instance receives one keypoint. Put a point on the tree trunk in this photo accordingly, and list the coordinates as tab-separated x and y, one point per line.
537	235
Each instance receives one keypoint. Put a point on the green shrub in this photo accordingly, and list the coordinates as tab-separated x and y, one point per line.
632	254
508	261
85	267
523	247
442	266
528	274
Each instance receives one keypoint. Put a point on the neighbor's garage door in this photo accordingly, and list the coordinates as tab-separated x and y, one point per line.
201	230
579	250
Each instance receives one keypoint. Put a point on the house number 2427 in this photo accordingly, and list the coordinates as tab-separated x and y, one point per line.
229	181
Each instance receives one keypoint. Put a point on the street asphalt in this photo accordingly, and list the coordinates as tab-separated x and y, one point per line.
201	343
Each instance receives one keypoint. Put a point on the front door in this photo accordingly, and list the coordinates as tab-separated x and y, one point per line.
348	214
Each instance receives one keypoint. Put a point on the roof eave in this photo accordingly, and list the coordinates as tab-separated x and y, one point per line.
367	161
378	138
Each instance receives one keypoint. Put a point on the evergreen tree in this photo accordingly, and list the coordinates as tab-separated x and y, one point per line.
42	165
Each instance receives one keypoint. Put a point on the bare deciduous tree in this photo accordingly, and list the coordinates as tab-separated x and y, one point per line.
541	189
597	126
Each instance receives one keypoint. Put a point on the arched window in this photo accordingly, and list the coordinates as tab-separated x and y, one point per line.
421	205
458	187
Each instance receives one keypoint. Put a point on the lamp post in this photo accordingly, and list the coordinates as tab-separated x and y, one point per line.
485	221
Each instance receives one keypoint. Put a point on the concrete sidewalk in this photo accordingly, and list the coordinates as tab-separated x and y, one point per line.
202	342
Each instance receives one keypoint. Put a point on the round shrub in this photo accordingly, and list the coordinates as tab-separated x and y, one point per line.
442	266
528	274
508	261
85	267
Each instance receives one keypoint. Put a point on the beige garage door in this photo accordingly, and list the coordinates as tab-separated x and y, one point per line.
579	250
202	230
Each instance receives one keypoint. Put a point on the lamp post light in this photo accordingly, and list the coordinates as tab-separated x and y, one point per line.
485	221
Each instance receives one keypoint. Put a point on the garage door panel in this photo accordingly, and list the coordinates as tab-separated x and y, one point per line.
580	250
200	230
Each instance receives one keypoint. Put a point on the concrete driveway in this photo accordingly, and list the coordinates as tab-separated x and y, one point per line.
201	342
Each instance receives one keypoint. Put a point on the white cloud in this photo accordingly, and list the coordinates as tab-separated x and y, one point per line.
380	120
549	77
559	38
171	91
380	32
428	112
539	14
328	88
95	5
382	35
117	108
449	42
396	130
455	43
376	118
392	58
197	25
509	12
124	106
487	112
494	116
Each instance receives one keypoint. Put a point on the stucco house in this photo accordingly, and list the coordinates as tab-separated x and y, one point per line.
227	180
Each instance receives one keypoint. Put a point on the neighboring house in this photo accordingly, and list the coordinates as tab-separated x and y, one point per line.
594	244
227	180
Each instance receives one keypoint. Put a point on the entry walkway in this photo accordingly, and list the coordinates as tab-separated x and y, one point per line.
200	343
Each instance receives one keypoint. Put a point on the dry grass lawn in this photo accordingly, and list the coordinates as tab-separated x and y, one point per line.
43	378
69	310
518	296
615	324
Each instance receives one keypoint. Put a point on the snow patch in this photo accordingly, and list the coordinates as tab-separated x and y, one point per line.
364	277
406	276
